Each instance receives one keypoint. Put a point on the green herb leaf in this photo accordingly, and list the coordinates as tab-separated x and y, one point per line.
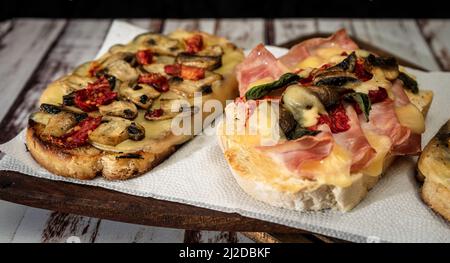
408	82
362	100
260	91
299	132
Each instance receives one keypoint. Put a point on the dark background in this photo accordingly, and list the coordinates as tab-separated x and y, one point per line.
224	8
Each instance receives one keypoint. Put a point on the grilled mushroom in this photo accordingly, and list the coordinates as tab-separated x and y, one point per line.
303	104
59	124
169	108
287	121
348	64
327	95
195	60
187	88
334	78
388	65
135	132
140	94
160	44
121	70
115	130
121	108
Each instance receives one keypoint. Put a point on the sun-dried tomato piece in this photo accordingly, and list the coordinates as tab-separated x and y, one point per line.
156	113
361	72
185	72
194	44
144	57
379	95
78	136
336	119
94	95
156	80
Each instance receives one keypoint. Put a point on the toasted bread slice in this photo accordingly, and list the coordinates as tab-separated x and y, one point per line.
121	157
282	190
434	166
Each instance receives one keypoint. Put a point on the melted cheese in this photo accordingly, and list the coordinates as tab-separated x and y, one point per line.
382	145
333	170
409	116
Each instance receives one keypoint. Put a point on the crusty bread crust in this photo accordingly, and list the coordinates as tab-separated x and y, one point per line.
437	196
87	162
309	195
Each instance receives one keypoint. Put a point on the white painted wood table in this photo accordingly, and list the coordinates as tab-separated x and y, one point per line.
33	52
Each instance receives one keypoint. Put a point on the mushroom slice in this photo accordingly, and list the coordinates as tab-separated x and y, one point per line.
388	65
187	88
329	96
212	51
121	108
348	64
335	78
122	70
115	130
140	94
155	68
163	59
303	104
169	108
195	60
59	124
160	44
286	120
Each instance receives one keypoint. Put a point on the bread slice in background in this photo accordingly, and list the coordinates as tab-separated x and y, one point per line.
434	167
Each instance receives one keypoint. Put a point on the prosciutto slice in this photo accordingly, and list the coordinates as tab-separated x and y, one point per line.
307	148
259	64
354	141
413	142
308	47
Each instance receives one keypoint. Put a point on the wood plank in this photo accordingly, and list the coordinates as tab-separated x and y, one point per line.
205	25
245	33
11	216
102	203
21	51
288	29
400	37
78	43
152	25
40	225
117	232
437	35
327	25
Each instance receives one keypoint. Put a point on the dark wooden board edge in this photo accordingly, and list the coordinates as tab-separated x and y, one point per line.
107	204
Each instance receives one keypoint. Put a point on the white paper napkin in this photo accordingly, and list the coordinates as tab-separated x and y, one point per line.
197	174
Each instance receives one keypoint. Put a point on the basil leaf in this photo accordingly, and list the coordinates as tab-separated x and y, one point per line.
260	91
408	82
362	100
300	132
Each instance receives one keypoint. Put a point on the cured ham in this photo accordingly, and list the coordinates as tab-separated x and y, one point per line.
307	48
354	141
259	64
307	148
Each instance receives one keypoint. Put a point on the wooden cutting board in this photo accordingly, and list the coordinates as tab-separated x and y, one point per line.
107	204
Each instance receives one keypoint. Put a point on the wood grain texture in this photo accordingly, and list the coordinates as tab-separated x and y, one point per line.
25	43
437	34
108	204
205	25
78	43
11	215
245	33
288	29
400	37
